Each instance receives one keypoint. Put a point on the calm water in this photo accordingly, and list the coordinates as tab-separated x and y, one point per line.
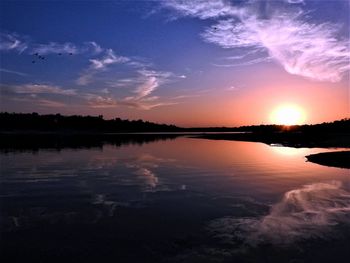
179	200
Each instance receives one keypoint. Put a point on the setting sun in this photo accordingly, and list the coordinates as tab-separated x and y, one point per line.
288	115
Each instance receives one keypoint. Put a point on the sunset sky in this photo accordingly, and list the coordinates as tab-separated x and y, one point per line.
189	63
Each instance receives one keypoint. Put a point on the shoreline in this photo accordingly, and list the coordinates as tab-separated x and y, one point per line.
288	139
65	138
339	159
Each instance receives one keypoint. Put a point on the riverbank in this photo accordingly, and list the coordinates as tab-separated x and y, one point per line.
333	159
290	139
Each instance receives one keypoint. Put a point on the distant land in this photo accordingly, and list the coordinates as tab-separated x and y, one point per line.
27	122
332	134
339	159
31	131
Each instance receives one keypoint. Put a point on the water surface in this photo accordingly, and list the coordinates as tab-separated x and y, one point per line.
178	200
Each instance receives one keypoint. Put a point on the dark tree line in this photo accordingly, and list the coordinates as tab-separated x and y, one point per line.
341	126
326	127
58	122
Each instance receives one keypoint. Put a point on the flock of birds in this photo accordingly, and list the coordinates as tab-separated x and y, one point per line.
38	57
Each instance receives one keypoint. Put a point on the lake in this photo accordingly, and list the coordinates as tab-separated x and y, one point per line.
179	199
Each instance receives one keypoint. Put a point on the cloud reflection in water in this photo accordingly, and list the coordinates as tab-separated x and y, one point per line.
311	211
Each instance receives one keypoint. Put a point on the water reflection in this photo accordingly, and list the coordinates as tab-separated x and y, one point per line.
312	211
288	150
35	142
161	197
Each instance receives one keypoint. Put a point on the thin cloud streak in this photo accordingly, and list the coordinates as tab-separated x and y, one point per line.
53	47
12	42
202	9
66	48
98	101
40	102
20	43
247	63
14	72
38	89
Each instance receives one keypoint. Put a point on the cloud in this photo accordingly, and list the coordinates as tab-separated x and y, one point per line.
232	88
90	47
311	211
246	63
302	48
202	9
98	101
150	82
100	64
38	94
12	42
14	72
33	99
15	42
295	1
312	50
53	47
96	48
108	59
146	88
85	78
181	97
50	103
126	82
40	89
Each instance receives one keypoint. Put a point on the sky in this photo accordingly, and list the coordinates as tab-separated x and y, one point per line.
189	63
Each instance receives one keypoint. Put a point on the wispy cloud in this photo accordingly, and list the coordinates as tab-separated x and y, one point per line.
99	101
90	47
295	1
108	59
96	48
20	43
125	82
312	50
38	101
100	64
41	88
302	48
181	97
85	78
232	88
245	63
50	103
14	72
146	88
150	81
202	9
53	47
12	42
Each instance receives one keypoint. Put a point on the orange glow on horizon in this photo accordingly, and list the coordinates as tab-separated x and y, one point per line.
288	115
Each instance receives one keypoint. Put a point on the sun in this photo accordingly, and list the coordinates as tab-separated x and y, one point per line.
288	115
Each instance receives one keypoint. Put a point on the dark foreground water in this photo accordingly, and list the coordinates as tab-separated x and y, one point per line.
178	200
